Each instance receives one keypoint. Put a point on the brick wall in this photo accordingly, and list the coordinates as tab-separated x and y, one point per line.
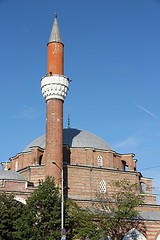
17	188
110	159
84	182
23	160
34	174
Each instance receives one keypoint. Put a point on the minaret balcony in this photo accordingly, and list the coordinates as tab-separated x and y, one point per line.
54	86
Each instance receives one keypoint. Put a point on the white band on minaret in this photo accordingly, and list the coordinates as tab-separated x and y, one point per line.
54	86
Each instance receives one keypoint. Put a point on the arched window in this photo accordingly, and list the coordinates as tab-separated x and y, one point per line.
124	165
134	234
16	166
40	160
158	238
100	161
102	186
143	187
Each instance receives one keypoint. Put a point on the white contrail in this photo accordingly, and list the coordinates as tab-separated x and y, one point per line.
129	142
147	111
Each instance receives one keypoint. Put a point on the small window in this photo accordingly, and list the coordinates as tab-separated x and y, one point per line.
143	187
100	161
16	166
102	186
1	183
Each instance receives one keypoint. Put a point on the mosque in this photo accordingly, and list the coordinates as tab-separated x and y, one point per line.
84	161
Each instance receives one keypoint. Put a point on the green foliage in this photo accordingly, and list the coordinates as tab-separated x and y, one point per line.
78	221
10	211
117	210
41	218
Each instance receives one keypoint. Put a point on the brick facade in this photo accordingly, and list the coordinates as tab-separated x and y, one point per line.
82	176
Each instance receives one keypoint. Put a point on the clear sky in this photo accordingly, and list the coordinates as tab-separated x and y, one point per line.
112	55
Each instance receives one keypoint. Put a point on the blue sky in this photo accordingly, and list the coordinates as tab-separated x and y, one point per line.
112	55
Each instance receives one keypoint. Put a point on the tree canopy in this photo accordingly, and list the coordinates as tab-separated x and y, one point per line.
112	214
41	218
10	211
41	215
117	212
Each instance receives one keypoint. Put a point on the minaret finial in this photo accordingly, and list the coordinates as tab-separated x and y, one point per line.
69	126
56	15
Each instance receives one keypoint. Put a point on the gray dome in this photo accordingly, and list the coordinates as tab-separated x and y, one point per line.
74	138
10	175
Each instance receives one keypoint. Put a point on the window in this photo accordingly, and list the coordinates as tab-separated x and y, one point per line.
102	186
134	234
143	187
40	160
16	166
100	161
158	238
1	183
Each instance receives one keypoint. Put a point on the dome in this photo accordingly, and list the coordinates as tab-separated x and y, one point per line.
74	138
10	175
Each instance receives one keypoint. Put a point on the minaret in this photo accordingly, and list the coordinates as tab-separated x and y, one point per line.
54	89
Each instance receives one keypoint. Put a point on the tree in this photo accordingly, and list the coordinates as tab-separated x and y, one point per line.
10	211
113	214
78	221
41	218
116	213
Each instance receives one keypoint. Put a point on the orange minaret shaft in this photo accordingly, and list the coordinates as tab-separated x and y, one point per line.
55	58
54	88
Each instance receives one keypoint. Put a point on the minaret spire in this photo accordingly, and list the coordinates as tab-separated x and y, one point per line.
54	89
55	35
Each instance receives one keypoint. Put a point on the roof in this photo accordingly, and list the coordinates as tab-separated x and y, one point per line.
152	216
10	175
55	33
74	138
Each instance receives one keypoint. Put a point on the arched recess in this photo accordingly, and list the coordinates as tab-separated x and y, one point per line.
40	160
124	165
158	236
134	234
16	166
20	199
